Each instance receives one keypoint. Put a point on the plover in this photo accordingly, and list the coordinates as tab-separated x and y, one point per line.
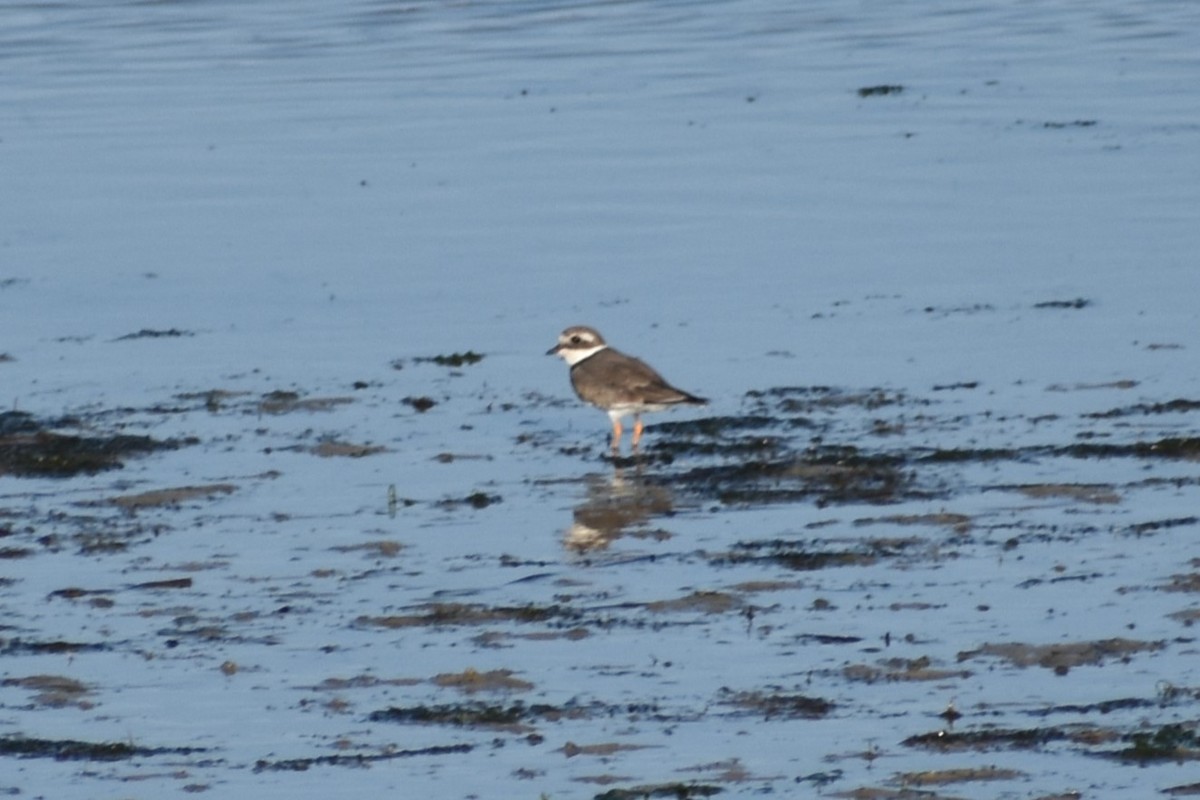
614	382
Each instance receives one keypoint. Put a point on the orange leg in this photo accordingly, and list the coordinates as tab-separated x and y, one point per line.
637	430
616	442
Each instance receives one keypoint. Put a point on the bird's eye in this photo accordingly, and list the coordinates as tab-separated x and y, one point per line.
575	339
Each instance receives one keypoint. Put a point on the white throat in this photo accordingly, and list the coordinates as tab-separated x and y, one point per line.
574	356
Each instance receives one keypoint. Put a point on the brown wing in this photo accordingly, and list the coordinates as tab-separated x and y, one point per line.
613	377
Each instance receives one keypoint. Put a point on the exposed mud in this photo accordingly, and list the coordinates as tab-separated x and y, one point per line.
1062	657
31	447
358	760
672	791
55	691
1174	743
71	750
877	486
451	360
778	705
779	452
170	497
289	402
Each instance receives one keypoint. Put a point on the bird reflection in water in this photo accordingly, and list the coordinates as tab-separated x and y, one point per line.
615	506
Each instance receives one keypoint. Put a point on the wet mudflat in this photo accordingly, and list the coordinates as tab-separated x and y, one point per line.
292	505
819	590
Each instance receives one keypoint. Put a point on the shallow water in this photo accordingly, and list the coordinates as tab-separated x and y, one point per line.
925	467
